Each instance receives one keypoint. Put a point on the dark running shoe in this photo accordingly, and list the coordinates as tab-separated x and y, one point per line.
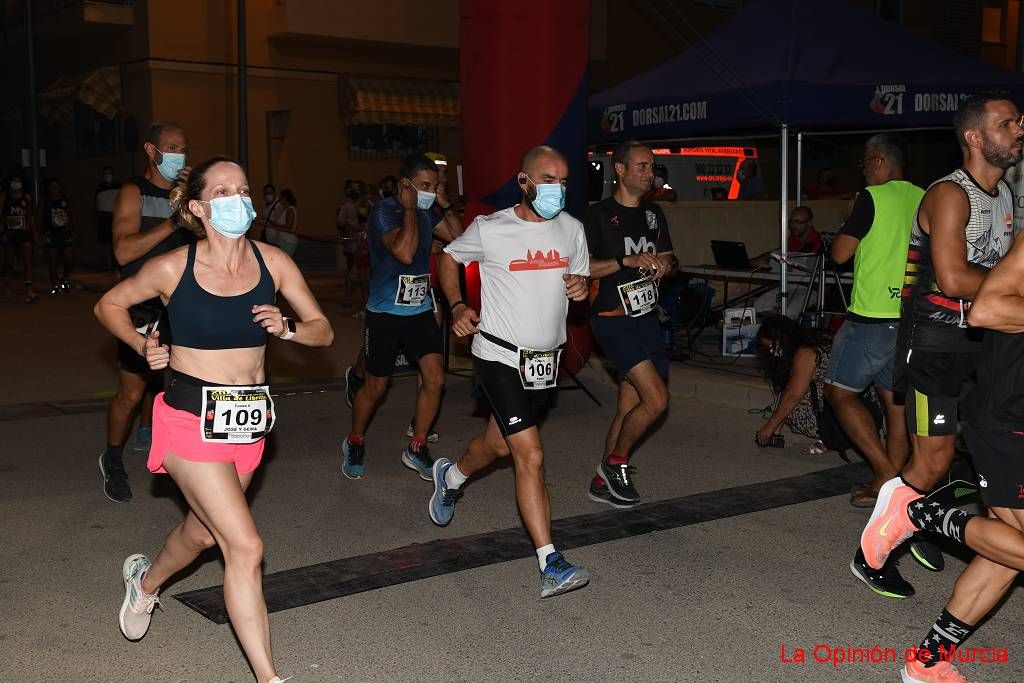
601	494
420	461
115	481
352	463
885	581
353	383
927	554
620	481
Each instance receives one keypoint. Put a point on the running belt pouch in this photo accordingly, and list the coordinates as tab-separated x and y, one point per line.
184	395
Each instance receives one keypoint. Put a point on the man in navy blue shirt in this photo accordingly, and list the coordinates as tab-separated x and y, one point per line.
399	311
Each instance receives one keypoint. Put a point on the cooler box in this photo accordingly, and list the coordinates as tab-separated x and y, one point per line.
739	332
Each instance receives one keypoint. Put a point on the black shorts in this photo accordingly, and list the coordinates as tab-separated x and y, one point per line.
515	409
627	342
58	239
999	461
385	335
130	361
13	238
936	382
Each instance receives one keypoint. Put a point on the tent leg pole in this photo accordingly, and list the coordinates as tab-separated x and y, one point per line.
799	167
783	216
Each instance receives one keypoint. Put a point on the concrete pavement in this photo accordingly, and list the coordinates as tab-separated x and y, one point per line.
714	601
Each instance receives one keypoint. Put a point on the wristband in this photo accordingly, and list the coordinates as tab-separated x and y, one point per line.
618	259
457	303
289	328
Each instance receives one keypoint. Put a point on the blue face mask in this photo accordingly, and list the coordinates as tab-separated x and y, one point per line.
549	199
424	200
171	164
231	216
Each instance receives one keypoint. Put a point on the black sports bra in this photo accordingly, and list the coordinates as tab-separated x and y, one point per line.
200	320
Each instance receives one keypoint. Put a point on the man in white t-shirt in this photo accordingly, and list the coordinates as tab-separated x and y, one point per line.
533	259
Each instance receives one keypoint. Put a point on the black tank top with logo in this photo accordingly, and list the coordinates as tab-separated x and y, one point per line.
55	214
155	210
16	212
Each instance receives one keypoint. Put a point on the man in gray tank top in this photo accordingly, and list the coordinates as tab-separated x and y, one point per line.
142	229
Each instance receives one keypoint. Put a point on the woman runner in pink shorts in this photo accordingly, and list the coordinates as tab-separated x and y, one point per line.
209	426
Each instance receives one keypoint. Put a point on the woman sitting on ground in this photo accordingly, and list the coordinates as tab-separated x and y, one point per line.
795	360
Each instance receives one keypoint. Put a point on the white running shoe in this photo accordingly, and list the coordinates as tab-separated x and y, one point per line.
137	608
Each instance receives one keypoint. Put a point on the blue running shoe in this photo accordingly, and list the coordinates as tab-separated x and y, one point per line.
561	577
143	439
352	467
421	462
442	503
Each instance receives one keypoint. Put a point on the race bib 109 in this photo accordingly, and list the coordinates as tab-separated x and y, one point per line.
236	414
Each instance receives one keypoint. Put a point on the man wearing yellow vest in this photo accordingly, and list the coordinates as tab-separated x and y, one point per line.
877	233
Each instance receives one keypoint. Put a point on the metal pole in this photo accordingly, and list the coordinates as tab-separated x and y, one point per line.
1020	38
243	109
799	167
783	209
33	116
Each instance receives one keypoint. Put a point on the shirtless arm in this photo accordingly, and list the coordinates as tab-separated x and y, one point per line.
944	213
999	304
403	241
129	243
157	278
312	328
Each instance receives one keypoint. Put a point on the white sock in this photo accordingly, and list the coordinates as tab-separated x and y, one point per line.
542	555
454	478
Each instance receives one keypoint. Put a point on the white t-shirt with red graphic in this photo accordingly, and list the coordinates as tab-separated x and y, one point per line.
522	293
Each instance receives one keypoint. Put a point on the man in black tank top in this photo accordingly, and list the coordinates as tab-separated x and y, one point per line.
962	228
142	229
58	225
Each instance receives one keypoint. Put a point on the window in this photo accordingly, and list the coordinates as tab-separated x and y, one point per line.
992	25
890	10
725	5
389	141
95	134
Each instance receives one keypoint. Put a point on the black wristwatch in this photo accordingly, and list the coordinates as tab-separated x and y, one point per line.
618	259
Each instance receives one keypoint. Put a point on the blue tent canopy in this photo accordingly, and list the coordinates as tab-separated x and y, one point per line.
810	64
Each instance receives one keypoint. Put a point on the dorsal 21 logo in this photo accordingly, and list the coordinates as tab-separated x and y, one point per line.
888	99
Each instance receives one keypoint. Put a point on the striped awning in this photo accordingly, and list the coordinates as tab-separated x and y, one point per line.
100	89
402	101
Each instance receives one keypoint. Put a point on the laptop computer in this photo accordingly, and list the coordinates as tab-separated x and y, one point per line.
730	254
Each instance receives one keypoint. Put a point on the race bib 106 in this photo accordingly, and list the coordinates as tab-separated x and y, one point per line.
538	369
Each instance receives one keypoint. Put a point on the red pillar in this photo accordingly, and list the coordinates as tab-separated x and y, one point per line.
523	83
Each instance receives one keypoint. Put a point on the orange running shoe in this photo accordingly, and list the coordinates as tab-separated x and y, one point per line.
943	672
890	524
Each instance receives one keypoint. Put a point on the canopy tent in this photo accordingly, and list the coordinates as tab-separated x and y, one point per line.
801	65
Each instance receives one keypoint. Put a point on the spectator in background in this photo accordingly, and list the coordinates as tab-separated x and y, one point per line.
803	237
106	191
284	221
19	233
751	184
258	231
826	187
386	186
661	191
59	232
